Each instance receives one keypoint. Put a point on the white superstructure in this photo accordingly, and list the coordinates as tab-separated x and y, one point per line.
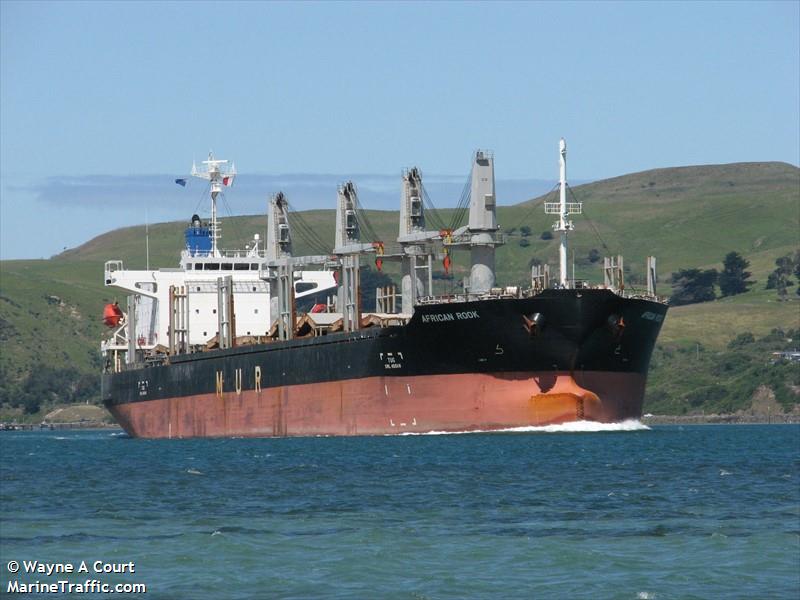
203	266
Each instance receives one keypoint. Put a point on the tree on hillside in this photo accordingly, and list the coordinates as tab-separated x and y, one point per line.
734	279
690	286
594	255
547	235
779	279
525	231
797	270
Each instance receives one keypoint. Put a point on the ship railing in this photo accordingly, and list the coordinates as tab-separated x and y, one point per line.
116	363
637	294
493	294
240	254
112	266
516	292
492	238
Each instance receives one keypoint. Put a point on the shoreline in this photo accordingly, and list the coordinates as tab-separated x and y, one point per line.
42	426
723	419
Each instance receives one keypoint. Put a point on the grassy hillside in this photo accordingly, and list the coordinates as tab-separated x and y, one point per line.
50	310
687	216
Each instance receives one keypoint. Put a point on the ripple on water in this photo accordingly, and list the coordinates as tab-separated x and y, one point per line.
545	512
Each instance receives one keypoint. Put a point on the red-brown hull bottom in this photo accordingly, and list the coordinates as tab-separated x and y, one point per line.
391	405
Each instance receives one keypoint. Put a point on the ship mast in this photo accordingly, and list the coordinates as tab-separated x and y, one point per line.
563	209
217	173
563	225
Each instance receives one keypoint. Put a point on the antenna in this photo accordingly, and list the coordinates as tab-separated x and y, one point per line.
147	238
216	172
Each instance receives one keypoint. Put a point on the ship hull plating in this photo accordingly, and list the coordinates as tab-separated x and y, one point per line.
561	356
384	405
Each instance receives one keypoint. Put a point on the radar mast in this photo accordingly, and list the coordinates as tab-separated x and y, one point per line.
218	174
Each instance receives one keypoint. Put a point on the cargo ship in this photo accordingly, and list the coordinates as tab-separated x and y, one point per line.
241	359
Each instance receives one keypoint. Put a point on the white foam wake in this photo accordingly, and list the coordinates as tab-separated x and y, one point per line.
586	427
572	427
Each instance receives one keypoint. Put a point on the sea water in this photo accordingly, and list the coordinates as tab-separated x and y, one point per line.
627	512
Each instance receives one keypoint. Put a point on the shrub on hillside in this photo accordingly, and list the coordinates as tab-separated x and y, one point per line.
741	340
708	395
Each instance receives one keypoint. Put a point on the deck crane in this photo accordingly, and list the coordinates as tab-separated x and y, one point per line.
348	248
480	235
281	264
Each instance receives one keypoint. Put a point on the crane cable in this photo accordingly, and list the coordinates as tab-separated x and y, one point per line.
589	220
306	232
435	217
463	205
237	232
536	204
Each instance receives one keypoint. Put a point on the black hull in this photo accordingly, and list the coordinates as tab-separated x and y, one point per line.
578	331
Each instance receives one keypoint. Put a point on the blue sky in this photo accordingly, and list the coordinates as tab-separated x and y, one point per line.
103	104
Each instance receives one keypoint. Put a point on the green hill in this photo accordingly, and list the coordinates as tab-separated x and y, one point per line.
50	310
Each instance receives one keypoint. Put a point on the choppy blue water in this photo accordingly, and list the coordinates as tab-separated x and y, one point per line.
673	512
